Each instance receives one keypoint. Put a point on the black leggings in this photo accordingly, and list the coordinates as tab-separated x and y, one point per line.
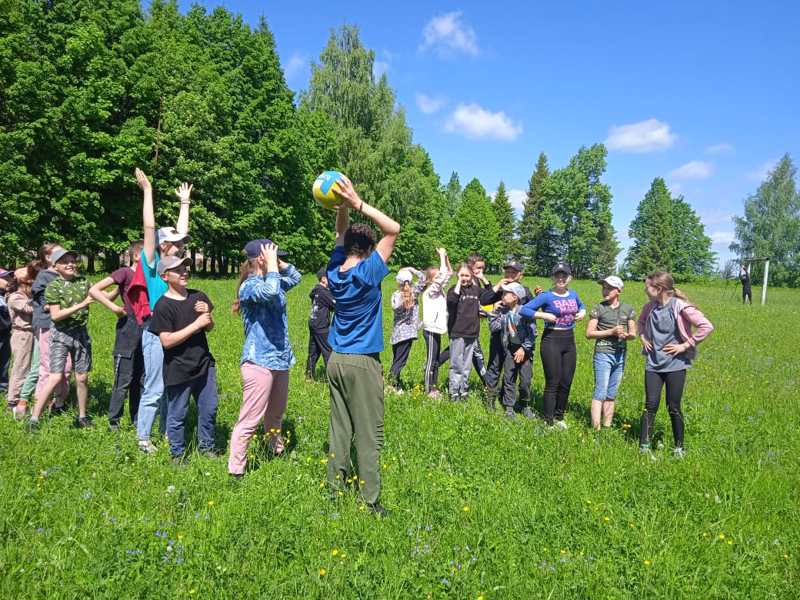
558	361
433	342
400	353
653	382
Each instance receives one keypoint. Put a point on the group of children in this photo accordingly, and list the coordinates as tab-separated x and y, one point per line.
162	358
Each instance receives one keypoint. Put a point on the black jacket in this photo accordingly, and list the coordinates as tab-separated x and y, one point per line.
463	318
322	305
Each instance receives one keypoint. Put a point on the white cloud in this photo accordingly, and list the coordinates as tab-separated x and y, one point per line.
719	149
430	104
447	35
295	65
517	199
760	173
474	122
379	67
716	216
696	169
722	238
645	136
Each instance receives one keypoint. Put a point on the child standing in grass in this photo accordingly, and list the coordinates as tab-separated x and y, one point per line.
560	308
180	320
67	298
611	324
21	313
406	320
668	342
463	308
518	338
434	319
127	353
319	323
267	355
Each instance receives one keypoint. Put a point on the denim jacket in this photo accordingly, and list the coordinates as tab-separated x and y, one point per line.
262	304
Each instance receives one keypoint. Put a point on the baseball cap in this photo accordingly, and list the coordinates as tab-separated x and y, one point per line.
5	273
561	267
403	277
515	288
170	234
60	253
513	264
170	262
613	281
252	249
323	272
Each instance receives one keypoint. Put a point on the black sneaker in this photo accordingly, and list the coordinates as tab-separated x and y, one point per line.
236	476
32	425
113	427
57	410
83	422
378	510
209	452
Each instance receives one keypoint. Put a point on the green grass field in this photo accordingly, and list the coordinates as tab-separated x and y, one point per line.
481	508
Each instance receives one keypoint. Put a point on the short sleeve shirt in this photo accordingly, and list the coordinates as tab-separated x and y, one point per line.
564	307
608	318
123	278
65	294
358	321
156	287
192	358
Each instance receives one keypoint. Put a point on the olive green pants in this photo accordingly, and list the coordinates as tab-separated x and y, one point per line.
356	385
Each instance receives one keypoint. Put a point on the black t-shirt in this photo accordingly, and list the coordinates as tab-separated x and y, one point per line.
322	303
192	358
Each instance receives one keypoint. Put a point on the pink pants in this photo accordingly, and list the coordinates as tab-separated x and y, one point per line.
264	399
62	390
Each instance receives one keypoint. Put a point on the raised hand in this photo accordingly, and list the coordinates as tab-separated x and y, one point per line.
269	256
345	190
142	180
184	192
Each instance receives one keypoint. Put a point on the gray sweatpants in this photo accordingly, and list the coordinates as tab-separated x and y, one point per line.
461	350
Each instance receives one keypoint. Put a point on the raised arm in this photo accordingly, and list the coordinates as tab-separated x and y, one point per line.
184	193
148	216
342	223
388	226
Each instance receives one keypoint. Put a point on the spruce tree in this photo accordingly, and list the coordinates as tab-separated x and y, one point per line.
506	223
534	227
475	227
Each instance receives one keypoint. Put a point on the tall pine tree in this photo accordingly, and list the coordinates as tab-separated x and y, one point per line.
506	223
537	228
475	226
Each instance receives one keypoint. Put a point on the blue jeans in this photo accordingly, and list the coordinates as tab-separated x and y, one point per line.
153	399
204	390
608	370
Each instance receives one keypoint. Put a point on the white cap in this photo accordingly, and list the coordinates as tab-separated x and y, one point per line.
404	277
613	281
170	234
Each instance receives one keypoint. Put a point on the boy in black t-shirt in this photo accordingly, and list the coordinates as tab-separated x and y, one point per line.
319	323
180	319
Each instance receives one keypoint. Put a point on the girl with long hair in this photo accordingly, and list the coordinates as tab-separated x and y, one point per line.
670	327
434	319
406	320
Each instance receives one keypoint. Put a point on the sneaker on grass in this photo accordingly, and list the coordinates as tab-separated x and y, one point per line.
679	453
378	510
561	424
83	422
509	414
147	447
528	413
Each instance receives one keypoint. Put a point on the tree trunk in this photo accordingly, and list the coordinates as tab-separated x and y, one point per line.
213	263
193	254
90	262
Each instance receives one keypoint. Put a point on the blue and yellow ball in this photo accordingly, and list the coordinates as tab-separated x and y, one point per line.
323	189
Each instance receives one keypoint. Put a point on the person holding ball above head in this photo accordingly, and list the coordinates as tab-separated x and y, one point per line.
611	324
355	377
560	308
167	241
267	354
669	344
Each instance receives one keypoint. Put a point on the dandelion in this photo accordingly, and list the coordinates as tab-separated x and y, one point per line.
786	556
563	552
340	494
180	536
730	542
465	509
647	563
323	461
705	534
322	572
606	519
480	597
211	503
334	552
722	536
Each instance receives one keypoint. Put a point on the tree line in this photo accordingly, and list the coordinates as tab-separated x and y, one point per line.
90	89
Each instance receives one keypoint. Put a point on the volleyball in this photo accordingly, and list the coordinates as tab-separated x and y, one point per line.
323	189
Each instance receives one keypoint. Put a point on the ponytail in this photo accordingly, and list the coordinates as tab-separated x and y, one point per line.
665	282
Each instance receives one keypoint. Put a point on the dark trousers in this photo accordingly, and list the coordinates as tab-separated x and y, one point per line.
400	354
558	361
497	355
433	343
513	371
204	390
128	374
317	346
747	294
5	358
653	382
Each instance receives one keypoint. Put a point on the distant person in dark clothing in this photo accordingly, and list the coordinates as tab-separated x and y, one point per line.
319	323
747	293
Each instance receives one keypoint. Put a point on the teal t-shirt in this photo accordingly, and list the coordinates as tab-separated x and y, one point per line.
156	287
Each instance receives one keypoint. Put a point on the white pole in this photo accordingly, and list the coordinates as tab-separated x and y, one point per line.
764	285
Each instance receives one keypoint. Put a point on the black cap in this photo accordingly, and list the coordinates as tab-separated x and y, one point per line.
323	272
253	248
513	264
561	267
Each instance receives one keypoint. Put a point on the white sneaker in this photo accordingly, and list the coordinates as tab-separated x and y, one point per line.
679	453
147	447
561	424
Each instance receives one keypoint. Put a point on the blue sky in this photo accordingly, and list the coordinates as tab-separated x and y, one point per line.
703	94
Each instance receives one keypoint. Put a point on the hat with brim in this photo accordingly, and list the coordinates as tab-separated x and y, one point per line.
613	281
561	267
168	263
172	235
404	277
514	288
252	249
60	253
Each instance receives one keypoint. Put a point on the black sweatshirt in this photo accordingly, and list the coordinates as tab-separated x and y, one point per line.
463	318
322	304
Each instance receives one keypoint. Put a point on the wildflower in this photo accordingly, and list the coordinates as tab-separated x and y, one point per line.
323	461
170	489
322	572
180	536
786	556
606	519
722	536
334	552
211	503
705	534
465	509
193	591
647	563
730	542
480	597
563	552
